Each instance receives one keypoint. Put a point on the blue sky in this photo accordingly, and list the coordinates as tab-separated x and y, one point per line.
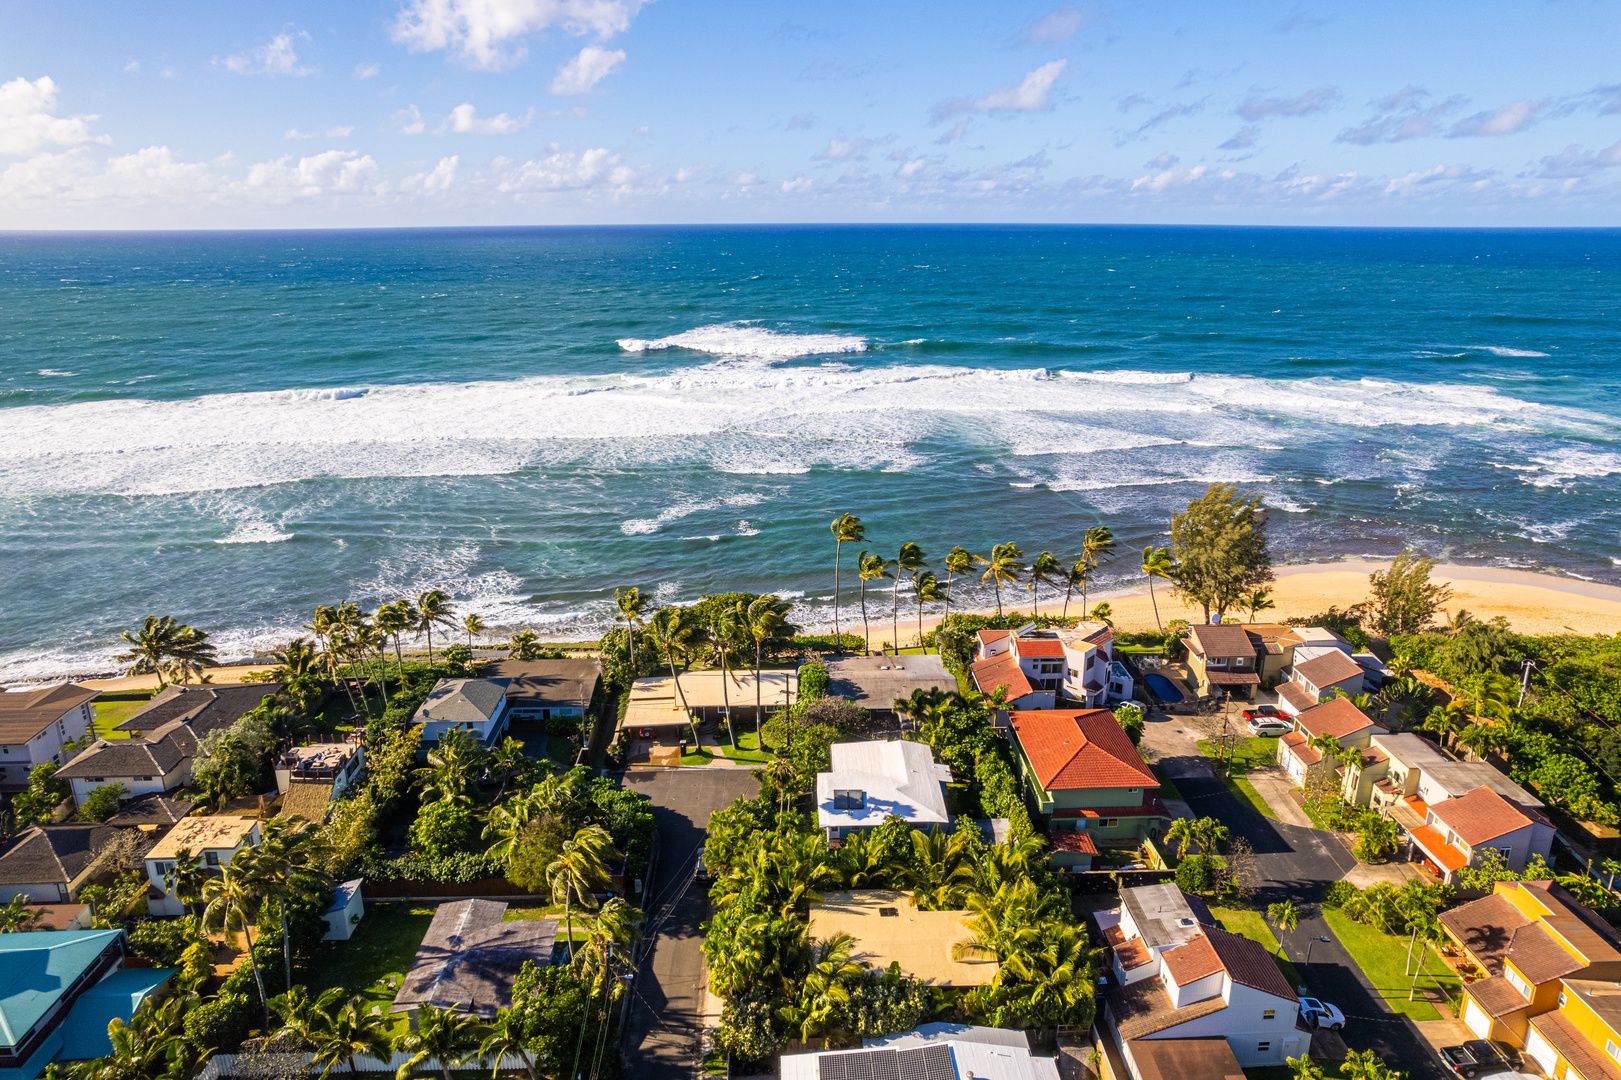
444	112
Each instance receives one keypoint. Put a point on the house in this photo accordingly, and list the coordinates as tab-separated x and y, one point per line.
1402	765
310	777
61	917
663	711
544	690
212	841
150	813
51	863
478	706
1457	831
889	930
201	708
1528	937
876	682
1224	658
1338	718
939	1051
1581	1039
348	907
35	725
1314	679
1091	786
870	781
1039	668
469	959
156	763
59	989
1183	981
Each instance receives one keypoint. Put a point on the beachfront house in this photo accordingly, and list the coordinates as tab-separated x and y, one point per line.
1182	982
1040	669
1089	783
212	841
937	1051
661	711
1224	658
1348	725
201	708
478	706
35	725
1528	938
870	781
310	777
890	929
51	863
541	691
876	682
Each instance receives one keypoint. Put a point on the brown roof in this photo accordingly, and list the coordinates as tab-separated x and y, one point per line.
470	958
1035	648
1191	961
1591	1062
1298	696
52	854
1131	952
1144	1008
542	684
1249	964
1336	717
1186	1059
1085	749
60	916
1298	746
26	713
1225	639
1485	927
1003	670
1232	678
1479	816
1328	669
1074	840
1539	957
307	799
1497	997
987	636
1435	845
203	708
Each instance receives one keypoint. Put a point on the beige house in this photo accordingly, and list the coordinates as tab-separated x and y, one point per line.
1337	717
212	841
663	708
889	930
1224	658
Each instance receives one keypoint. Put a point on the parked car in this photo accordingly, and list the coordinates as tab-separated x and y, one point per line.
1261	726
1264	712
1321	1014
1480	1057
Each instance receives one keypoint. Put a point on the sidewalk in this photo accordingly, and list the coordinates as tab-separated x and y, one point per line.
1277	789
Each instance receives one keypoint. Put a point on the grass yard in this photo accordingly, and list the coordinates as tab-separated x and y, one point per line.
747	749
384	945
1383	958
110	713
1247	922
1249	752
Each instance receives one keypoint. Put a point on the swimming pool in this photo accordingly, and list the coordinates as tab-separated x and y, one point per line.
1163	688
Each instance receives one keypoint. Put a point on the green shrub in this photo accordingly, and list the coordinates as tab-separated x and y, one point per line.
813	682
102	803
220	1025
442	829
1337	893
160	941
459	868
1200	875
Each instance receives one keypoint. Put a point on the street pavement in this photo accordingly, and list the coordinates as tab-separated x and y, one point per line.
1295	863
663	1037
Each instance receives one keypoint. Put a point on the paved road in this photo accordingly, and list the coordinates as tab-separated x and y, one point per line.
1296	863
663	1037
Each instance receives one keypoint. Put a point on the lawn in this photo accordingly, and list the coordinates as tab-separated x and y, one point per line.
1383	958
384	944
747	749
1247	922
1249	752
111	713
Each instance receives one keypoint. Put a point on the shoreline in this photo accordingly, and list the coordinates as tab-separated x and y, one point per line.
1533	603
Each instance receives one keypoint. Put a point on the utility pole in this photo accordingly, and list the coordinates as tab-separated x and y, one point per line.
1525	682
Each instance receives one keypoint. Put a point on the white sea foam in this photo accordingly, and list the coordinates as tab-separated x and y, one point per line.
55	374
1559	467
255	532
737	339
1503	350
1132	378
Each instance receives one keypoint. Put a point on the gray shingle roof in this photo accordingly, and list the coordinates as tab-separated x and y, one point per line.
469	958
462	701
205	708
156	755
547	684
52	854
874	682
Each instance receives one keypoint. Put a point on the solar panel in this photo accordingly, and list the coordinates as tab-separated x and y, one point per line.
920	1063
926	1063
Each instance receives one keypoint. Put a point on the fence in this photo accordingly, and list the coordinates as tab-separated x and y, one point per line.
260	1065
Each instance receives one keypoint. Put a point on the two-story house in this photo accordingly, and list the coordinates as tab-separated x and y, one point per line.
36	724
1458	831
1314	679
158	762
51	863
310	777
870	781
1182	979
475	705
212	842
1040	669
1224	658
1581	1038
1090	785
1337	717
1528	936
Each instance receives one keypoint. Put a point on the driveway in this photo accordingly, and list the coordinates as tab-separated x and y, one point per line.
1294	863
663	1037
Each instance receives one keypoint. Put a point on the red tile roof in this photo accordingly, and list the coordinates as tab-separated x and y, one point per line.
1003	670
1191	960
1336	717
1249	964
1074	840
1328	669
988	636
1298	696
1085	749
1479	815
1050	648
1430	839
1297	744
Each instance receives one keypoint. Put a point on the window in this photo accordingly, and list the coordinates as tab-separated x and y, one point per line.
1269	1014
143	778
1505	852
1262	1048
849	800
1108	822
212	858
1517	982
1561	997
1613	1050
1240	661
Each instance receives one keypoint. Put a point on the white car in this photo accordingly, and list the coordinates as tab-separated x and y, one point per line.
1321	1014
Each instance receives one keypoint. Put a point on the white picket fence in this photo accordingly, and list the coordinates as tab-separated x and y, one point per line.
223	1065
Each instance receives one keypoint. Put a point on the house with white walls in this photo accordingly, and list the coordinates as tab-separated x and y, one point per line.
1348	725
1041	668
36	724
478	706
211	841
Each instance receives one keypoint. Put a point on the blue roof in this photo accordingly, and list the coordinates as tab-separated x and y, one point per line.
37	968
84	1032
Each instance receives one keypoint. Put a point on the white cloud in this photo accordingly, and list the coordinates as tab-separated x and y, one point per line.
489	34
911	168
562	170
797	185
1312	101
343	131
1508	120
841	149
132	68
464	120
439	178
331	172
368	71
1402	116
1574	161
1421	178
28	120
585	70
1058	26
1033	94
410	121
275	57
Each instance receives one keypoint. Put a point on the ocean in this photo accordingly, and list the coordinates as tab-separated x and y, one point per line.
234	428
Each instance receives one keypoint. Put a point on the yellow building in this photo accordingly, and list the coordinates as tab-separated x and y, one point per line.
1581	1039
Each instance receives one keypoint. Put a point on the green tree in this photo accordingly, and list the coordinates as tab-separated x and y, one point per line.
579	870
765	620
959	560
909	560
1075	575
1003	567
17	917
473	624
1376	837
672	631
35	805
392	621
1044	568
348	1032
1257	601
1219	544
1285	916
630	608
453	767
164	647
1157	563
846	528
1366	1065
433	609
524	645
1097	545
230	899
442	828
443	1036
102	802
928	590
507	1036
826	988
1403	599
869	567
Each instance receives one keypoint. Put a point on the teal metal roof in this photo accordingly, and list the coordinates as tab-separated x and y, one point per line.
84	1032
37	968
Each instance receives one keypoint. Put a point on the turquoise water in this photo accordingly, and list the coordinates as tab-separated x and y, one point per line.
235	428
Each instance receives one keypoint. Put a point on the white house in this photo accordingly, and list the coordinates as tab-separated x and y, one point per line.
1311	679
1041	667
1193	982
345	912
1348	725
939	1051
475	705
159	762
34	726
212	842
336	764
869	781
1457	832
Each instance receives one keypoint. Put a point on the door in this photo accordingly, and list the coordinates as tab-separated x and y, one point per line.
1477	1019
1541	1051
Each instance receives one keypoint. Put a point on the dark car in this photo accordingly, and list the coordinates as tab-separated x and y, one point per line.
1264	712
1480	1057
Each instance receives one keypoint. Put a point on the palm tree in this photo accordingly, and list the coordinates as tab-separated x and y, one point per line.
846	527
929	591
452	765
524	645
302	1016
1076	575
17	916
1285	916
1493	696
473	623
163	647
869	567
1097	544
617	923
827	985
350	1032
326	625
672	631
764	620
1259	600
508	1036
1004	566
629	606
442	1035
284	866
227	899
1103	613
186	877
1157	564
724	632
433	609
959	560
580	869
1481	740
393	620
909	560
368	639
1044	568
295	660
149	1046
508	758
938	870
